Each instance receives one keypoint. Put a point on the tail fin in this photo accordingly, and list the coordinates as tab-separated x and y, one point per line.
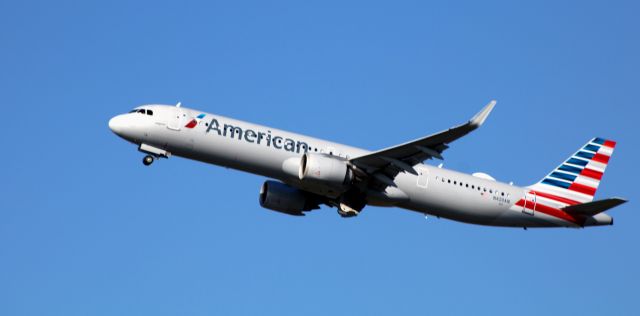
577	179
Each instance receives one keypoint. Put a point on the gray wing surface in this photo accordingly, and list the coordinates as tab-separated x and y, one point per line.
404	156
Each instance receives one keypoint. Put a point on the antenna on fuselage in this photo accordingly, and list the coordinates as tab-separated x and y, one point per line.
179	104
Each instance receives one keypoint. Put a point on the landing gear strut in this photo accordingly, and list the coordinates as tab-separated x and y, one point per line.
147	160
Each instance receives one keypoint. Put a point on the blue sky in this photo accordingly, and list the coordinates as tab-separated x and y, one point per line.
85	229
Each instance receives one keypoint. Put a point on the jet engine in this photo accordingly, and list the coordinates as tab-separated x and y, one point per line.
283	198
325	169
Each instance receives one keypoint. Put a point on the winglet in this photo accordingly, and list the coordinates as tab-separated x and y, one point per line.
479	118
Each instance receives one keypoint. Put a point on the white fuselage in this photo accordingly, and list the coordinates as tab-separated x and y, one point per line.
268	152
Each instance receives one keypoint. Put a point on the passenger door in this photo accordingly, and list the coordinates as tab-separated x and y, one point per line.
423	178
529	206
176	119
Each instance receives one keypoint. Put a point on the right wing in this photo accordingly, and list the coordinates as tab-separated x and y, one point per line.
404	156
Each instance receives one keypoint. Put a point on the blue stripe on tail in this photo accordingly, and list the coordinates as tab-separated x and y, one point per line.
578	162
563	176
570	169
591	147
556	183
584	154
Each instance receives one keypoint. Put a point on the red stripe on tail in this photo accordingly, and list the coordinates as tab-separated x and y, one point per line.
601	158
609	143
582	188
591	173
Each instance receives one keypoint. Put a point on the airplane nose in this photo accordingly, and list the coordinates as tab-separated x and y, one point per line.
116	124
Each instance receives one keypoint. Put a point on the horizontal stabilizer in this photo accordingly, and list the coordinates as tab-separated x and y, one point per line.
595	207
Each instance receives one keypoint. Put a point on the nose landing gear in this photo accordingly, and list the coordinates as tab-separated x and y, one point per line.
147	160
152	153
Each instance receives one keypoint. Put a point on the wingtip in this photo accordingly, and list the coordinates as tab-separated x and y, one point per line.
479	118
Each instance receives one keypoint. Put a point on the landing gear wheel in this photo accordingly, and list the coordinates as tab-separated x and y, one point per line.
147	160
347	211
351	203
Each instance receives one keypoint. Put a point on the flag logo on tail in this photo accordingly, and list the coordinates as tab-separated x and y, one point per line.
577	179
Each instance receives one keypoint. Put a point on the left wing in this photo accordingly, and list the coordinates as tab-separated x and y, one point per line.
403	157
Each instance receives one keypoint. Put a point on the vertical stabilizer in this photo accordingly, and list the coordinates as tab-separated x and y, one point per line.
576	180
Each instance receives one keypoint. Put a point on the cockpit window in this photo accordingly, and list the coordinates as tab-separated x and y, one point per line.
142	111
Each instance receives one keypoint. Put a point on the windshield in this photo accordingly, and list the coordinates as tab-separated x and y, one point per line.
142	111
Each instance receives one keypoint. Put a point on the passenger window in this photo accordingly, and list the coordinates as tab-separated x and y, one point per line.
449	181
455	182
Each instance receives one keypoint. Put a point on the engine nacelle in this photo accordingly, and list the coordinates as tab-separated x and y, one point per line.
328	170
283	198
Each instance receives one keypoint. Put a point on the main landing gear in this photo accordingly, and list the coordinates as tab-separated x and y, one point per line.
147	160
351	203
347	211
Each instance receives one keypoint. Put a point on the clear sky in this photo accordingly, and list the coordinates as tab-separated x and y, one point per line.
86	229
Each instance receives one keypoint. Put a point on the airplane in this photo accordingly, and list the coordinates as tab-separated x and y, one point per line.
310	172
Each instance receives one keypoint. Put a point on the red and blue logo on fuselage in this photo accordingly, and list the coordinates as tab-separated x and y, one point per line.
194	122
